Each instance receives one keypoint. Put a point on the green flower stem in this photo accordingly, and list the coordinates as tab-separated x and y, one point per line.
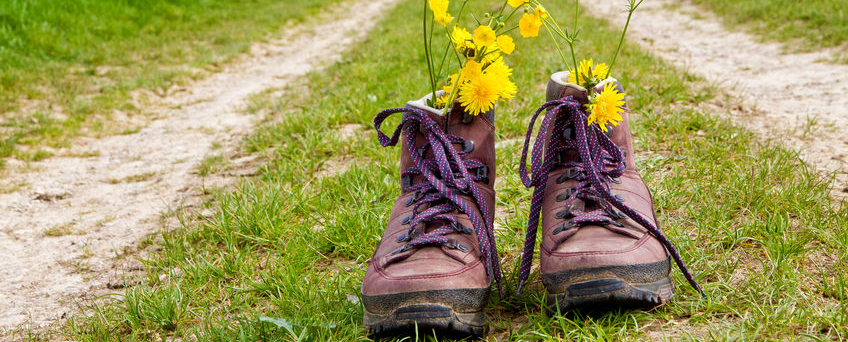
551	24
427	55
510	30
500	13
632	5
451	45
453	93
571	42
548	29
510	16
445	55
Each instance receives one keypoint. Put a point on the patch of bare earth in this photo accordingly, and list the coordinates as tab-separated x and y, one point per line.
794	98
69	222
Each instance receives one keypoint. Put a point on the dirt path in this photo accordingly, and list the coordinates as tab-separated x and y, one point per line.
64	234
793	98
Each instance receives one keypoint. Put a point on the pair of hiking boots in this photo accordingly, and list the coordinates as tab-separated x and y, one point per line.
437	259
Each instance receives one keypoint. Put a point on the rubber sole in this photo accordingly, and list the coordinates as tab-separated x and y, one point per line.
456	313
610	287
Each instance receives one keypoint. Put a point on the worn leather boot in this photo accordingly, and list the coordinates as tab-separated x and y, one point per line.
437	259
601	248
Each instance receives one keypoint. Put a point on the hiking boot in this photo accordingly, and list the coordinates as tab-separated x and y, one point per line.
437	258
601	248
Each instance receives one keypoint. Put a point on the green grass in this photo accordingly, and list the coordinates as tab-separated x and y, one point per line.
283	256
813	23
66	66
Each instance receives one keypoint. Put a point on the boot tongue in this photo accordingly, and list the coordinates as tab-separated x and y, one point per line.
478	131
405	157
558	87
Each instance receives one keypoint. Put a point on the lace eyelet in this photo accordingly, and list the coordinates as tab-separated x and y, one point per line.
616	180
559	229
406	219
565	195
568	174
414	198
463	229
467	146
568	134
482	174
400	250
557	159
619	197
563	227
561	179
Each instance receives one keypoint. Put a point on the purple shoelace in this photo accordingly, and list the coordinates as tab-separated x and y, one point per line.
600	162
447	176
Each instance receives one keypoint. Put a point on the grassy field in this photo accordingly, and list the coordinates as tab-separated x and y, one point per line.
67	66
809	23
283	256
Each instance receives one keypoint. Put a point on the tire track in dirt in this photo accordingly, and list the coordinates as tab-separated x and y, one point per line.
66	232
794	98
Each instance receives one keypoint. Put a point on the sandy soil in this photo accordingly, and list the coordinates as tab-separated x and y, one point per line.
798	99
69	233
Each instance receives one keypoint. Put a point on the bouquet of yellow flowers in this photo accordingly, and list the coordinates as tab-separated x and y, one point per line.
481	76
604	107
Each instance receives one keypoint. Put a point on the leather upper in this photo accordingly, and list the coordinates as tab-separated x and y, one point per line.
435	267
594	245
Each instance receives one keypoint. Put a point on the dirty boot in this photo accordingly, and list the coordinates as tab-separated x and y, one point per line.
601	248
437	259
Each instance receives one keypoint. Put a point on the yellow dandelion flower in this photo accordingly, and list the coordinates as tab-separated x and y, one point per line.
501	73
471	71
541	12
606	107
441	101
529	25
508	89
587	69
443	18
440	11
505	44
516	3
479	95
600	70
484	36
460	37
578	76
499	69
438	5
